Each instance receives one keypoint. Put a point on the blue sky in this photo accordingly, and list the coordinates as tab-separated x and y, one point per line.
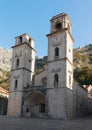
33	17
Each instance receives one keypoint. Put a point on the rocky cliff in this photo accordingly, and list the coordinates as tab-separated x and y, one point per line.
5	59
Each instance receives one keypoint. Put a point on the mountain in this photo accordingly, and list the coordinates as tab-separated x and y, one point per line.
5	59
83	65
82	60
5	66
83	57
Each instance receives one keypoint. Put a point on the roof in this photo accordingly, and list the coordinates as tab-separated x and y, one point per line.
75	82
25	34
60	15
4	91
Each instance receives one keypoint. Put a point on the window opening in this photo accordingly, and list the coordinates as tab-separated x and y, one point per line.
56	80
59	26
16	83
56	51
17	63
29	40
20	38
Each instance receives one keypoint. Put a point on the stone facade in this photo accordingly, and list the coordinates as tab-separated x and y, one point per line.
50	93
22	72
60	67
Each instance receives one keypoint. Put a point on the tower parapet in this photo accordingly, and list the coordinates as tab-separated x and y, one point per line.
60	22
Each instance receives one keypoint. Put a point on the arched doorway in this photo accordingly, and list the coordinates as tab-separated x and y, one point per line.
34	105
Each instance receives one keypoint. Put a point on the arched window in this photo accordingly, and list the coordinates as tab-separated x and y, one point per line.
56	51
17	62
16	83
56	80
58	26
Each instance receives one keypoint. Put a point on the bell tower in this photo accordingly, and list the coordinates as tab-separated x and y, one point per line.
22	71
60	67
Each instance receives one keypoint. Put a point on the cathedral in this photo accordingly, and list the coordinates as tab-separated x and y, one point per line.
52	93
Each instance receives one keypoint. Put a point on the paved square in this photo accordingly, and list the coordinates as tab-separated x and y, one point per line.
11	123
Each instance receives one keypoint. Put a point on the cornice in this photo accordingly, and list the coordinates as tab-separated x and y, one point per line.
23	44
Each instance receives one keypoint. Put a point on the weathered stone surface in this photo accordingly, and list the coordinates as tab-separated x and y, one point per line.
53	94
11	123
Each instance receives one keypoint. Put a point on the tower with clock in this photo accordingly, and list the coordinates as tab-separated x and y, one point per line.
52	93
60	67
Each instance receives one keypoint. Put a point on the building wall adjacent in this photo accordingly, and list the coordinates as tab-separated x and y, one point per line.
41	78
80	101
15	104
4	95
69	104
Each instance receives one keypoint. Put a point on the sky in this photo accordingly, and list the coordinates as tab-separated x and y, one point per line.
33	17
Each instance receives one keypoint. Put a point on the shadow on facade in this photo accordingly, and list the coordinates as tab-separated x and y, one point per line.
3	106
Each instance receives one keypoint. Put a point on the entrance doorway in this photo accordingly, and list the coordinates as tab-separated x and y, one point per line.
34	105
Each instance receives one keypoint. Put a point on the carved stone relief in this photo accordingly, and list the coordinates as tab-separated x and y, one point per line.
16	77
55	44
18	54
56	70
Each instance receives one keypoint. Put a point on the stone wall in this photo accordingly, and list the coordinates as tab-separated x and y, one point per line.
56	103
80	101
15	104
69	104
41	78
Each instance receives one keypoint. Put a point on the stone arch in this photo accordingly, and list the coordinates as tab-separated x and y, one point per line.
34	104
